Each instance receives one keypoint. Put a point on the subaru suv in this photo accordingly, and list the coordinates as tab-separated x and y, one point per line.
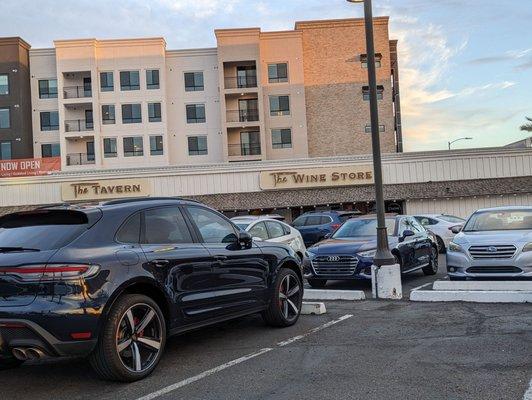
316	225
113	281
494	243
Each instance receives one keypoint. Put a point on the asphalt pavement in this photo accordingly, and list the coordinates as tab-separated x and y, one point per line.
358	350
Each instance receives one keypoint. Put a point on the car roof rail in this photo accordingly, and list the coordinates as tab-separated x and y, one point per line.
53	205
140	199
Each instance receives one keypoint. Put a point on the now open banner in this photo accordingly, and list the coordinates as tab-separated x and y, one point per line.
29	167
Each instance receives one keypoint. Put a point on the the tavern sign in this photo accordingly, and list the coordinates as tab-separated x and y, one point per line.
107	189
317	177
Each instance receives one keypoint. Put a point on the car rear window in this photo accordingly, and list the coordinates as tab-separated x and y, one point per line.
314	220
452	219
42	229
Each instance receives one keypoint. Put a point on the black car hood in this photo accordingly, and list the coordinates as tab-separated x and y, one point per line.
346	246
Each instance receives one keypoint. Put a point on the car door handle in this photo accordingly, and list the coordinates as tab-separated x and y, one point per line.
220	258
160	263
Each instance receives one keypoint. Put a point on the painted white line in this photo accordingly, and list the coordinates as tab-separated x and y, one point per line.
188	381
330	294
525	286
528	394
474	296
422	286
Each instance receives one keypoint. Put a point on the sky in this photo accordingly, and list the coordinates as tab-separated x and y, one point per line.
465	65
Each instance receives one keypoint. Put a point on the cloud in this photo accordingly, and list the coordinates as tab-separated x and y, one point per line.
524	66
507	56
198	9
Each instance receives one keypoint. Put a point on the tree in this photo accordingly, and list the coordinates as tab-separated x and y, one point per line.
528	126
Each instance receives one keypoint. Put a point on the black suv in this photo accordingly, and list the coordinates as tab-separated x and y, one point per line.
112	281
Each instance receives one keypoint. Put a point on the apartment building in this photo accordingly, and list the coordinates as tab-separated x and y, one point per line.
15	104
104	104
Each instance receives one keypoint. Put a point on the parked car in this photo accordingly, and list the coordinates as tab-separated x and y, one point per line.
277	217
349	252
315	225
112	281
271	230
441	225
494	243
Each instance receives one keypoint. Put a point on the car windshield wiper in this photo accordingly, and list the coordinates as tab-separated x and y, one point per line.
16	249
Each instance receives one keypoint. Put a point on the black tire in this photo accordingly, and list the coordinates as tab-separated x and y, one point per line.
457	278
432	268
10	363
317	283
285	308
106	359
441	245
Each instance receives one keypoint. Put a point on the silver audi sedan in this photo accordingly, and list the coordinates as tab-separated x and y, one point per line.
493	243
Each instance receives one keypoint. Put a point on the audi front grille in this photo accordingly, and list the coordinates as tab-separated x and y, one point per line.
335	265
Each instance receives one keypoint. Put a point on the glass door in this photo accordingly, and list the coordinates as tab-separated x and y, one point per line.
250	143
248	110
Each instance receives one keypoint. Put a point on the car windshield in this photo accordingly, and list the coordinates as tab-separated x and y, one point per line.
501	220
356	227
242	225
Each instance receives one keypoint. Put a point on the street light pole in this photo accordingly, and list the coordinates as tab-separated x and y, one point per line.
457	140
383	255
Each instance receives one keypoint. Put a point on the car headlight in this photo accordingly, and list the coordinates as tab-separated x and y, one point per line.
455	247
368	253
527	247
310	254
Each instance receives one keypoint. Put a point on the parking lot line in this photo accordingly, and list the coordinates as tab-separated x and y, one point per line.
236	361
528	394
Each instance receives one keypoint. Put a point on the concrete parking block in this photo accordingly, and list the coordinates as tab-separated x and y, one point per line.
474	296
326	294
313	308
525	286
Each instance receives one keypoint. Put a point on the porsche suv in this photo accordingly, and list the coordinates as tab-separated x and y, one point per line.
113	281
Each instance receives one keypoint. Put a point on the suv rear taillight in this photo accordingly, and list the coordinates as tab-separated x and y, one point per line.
335	226
50	272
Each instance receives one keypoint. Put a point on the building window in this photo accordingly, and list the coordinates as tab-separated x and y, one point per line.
364	60
152	78
131	114
154	112
279	105
5	150
4	84
50	121
129	80
50	150
108	114
197	145
194	82
109	147
195	113
278	73
5	121
156	145
133	146
107	83
367	129
48	89
281	138
365	92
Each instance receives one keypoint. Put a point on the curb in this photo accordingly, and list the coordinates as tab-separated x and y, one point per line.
525	286
474	296
325	294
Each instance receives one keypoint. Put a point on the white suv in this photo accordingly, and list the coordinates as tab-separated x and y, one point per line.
494	242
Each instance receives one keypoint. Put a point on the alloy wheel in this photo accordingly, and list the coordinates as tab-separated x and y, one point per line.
434	260
290	297
139	338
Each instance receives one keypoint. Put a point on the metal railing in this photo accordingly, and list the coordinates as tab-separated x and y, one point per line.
76	92
80	159
242	115
237	82
244	149
78	125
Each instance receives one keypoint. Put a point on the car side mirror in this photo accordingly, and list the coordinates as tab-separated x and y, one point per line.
245	240
456	229
407	233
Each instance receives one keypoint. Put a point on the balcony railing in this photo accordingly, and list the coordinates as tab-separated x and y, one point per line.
79	159
242	115
78	125
237	82
244	149
76	92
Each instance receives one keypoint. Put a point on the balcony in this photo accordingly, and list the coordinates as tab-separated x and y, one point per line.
244	149
78	125
80	159
77	92
240	82
251	115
